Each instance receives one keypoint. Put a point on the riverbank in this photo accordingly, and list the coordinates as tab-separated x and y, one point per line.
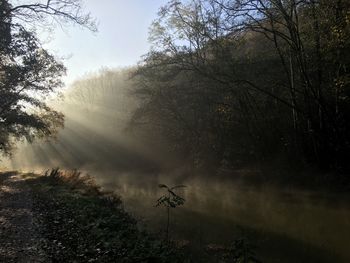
65	217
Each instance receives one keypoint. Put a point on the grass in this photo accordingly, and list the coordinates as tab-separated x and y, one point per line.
81	223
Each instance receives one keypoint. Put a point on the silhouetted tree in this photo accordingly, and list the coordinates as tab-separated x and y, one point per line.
251	79
28	73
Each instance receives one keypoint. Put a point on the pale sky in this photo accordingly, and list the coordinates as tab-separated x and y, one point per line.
120	41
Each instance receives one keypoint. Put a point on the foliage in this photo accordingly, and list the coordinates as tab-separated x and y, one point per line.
170	200
229	82
29	74
241	251
80	223
103	98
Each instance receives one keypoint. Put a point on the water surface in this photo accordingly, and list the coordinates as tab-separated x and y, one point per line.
286	225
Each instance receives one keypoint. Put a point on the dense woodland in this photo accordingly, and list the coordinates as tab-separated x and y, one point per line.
233	82
227	84
243	104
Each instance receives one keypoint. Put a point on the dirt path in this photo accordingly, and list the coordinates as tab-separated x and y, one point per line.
19	237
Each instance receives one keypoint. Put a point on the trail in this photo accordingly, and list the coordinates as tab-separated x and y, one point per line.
19	235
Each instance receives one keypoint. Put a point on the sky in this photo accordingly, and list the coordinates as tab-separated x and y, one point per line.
121	40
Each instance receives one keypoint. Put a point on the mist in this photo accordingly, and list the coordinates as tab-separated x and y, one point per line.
228	140
99	138
97	135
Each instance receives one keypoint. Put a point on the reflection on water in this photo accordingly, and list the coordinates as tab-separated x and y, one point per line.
286	226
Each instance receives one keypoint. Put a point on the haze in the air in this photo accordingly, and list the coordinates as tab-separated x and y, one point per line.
232	116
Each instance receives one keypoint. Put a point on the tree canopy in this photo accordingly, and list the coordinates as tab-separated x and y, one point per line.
250	80
28	72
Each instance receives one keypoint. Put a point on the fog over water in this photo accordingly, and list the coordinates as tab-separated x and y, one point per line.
288	224
225	135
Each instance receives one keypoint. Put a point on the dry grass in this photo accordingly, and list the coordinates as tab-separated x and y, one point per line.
75	179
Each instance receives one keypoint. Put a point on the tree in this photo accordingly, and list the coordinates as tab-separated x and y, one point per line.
274	75
311	40
28	72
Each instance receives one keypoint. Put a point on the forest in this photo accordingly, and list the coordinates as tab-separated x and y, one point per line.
226	84
235	82
232	84
243	106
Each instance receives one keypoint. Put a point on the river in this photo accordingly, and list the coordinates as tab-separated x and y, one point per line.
286	225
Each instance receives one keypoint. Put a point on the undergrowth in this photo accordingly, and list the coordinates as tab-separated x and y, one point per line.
81	223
